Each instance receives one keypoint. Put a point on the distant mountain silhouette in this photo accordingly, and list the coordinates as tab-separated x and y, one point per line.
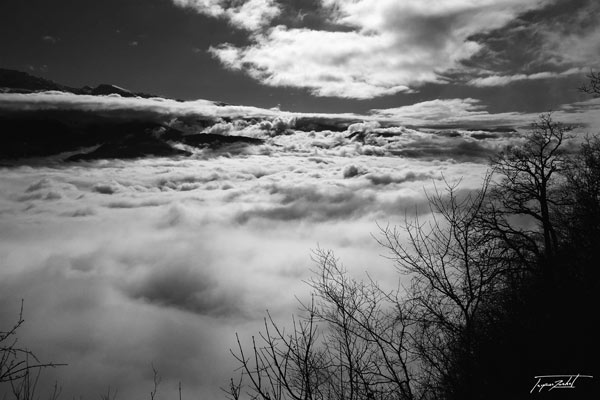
88	135
79	135
18	81
105	89
12	81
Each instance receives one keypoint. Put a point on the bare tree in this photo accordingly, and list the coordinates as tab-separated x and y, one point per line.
526	193
465	277
579	221
355	340
369	334
593	86
281	365
456	264
19	367
351	342
156	379
109	395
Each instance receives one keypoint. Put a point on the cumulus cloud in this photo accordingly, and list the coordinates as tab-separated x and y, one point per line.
247	14
370	48
339	64
381	47
253	14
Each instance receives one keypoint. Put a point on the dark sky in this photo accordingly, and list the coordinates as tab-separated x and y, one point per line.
312	55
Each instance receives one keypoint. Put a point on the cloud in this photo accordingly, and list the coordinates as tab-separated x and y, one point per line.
185	286
339	64
553	41
445	111
107	188
572	37
150	273
380	47
387	178
246	14
213	8
113	104
312	203
350	171
210	117
436	110
50	39
362	49
253	14
503	80
471	112
81	212
449	149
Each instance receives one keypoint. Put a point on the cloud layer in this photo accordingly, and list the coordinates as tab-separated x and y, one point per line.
128	264
158	261
471	112
259	122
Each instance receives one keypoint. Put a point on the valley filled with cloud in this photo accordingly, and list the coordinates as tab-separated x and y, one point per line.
128	263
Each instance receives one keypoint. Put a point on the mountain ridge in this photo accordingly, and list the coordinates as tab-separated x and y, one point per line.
15	81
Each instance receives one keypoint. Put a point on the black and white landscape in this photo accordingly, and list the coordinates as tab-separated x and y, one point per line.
169	167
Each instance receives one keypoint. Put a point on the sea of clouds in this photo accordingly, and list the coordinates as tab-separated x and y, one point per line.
126	265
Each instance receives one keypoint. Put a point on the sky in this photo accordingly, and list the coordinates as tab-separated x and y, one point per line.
327	56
